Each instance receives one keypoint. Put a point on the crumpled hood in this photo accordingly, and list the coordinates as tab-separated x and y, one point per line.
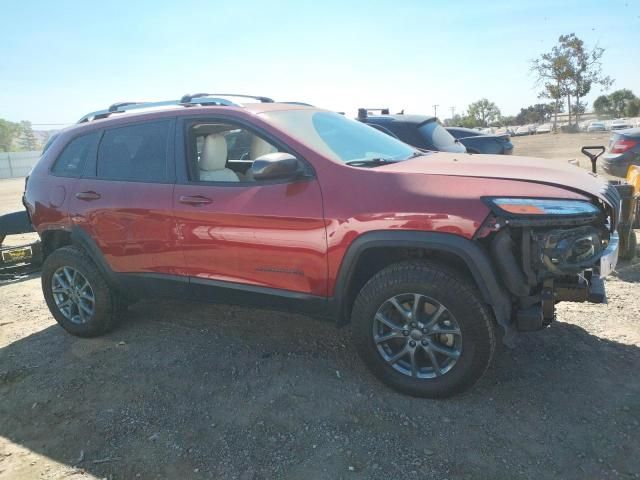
558	173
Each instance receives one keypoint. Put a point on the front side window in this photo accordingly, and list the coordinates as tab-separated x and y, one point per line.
338	137
71	162
135	152
224	152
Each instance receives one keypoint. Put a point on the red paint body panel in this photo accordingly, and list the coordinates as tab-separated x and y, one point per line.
132	224
269	235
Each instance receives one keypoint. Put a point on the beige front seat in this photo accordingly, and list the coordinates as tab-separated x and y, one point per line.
213	160
260	147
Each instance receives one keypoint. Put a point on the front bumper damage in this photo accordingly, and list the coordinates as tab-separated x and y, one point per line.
543	262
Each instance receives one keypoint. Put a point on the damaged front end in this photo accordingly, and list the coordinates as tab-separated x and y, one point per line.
547	251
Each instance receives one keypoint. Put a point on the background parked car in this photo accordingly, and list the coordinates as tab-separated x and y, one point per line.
624	150
522	130
544	128
476	142
421	131
620	124
596	127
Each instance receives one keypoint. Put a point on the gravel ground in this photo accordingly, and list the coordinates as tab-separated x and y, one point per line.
185	390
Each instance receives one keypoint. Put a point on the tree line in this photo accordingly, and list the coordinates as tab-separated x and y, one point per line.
565	75
17	136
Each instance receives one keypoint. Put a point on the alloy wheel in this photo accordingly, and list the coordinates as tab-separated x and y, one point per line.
73	295
417	336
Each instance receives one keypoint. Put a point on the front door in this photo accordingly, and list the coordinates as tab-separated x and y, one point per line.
239	232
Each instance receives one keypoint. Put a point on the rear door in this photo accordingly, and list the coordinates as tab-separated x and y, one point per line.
124	202
245	233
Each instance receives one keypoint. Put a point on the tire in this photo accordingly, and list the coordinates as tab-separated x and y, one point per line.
461	308
57	272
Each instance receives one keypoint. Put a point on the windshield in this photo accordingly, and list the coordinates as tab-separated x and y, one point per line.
436	135
338	137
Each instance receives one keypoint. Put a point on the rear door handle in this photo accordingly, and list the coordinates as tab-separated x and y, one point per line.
88	196
195	200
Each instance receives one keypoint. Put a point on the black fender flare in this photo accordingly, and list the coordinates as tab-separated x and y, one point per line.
471	253
82	239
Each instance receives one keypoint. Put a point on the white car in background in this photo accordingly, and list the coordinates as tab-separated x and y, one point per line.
544	128
522	130
596	127
620	124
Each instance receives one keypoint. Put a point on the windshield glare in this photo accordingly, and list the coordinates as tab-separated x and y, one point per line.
338	137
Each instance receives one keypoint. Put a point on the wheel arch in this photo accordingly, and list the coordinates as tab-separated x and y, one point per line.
372	251
54	239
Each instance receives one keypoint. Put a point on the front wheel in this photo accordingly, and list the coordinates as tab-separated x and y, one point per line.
423	329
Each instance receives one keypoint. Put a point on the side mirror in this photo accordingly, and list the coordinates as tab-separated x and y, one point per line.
272	166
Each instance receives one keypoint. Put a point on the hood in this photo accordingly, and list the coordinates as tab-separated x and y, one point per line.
559	173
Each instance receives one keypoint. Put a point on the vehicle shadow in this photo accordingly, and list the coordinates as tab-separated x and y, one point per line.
629	271
224	392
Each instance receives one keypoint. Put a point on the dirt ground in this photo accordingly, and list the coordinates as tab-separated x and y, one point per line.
186	390
561	146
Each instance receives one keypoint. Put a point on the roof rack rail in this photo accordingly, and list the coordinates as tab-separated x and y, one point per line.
116	106
122	107
189	98
364	112
302	104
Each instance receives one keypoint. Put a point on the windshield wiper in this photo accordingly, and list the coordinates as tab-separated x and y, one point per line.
369	162
415	154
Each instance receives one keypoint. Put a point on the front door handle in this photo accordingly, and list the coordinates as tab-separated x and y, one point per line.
88	196
195	200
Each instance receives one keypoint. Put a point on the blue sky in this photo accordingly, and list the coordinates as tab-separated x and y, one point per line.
61	59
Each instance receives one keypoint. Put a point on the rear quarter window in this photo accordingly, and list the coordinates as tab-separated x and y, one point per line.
74	157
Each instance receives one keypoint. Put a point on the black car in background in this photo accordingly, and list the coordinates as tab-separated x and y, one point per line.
624	151
477	142
421	131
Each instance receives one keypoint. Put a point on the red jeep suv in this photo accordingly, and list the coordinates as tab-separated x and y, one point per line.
430	256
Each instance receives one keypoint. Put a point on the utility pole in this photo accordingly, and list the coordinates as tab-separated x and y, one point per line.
453	111
435	110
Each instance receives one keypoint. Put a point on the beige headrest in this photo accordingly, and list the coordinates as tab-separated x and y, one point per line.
260	147
214	153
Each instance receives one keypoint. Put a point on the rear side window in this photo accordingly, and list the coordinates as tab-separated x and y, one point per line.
438	136
135	152
74	157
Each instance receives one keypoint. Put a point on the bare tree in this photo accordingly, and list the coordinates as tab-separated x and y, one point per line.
552	71
585	68
28	140
569	70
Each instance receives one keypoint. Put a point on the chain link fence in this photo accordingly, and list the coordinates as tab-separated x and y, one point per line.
17	164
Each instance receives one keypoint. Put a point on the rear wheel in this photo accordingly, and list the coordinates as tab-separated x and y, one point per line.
77	294
423	330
